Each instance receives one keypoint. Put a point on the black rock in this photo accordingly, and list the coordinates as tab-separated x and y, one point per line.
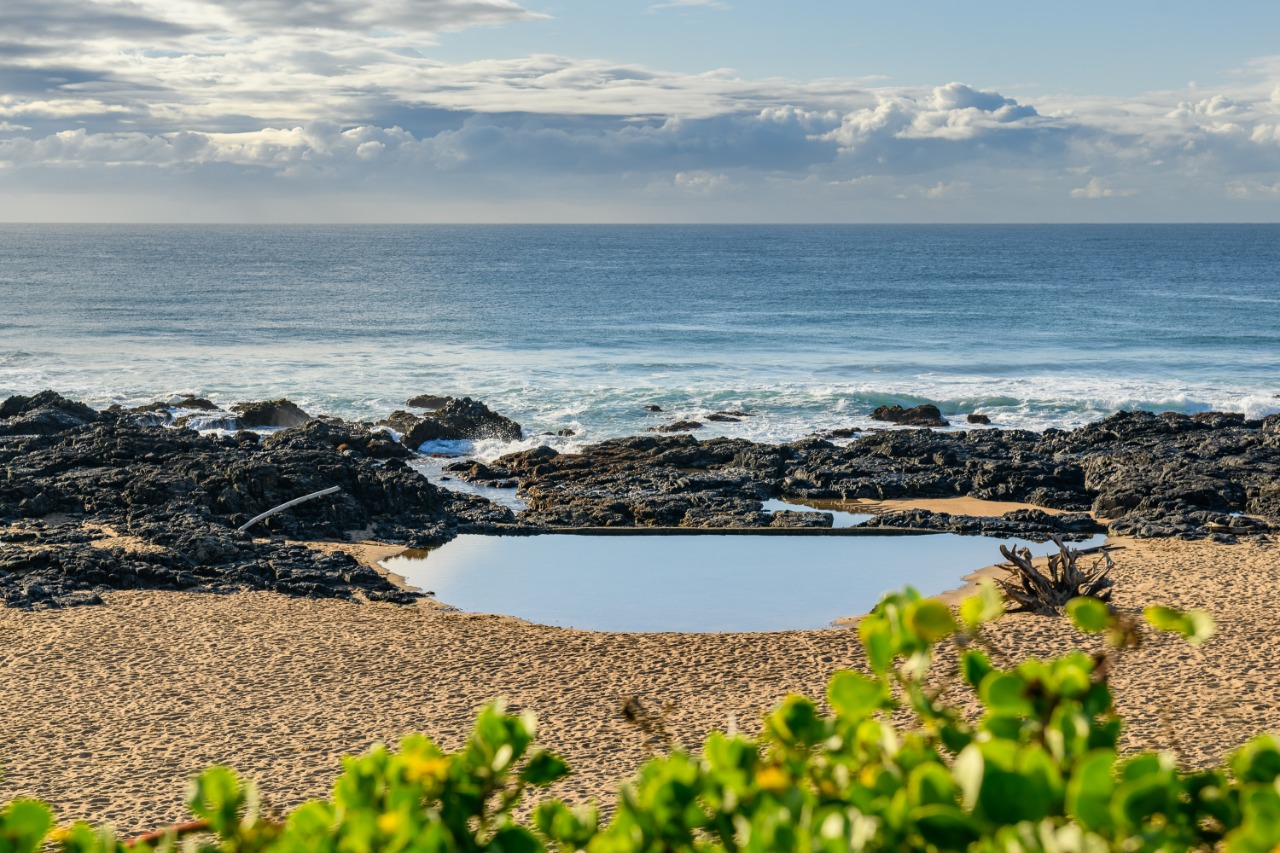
462	419
676	426
430	402
45	413
183	495
198	403
925	415
269	413
975	418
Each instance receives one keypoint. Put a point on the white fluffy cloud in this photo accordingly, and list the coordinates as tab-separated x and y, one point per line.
342	95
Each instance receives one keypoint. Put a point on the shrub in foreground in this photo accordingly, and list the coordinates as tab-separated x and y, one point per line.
890	766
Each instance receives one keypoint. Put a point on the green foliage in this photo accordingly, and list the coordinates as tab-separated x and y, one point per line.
1036	770
1195	626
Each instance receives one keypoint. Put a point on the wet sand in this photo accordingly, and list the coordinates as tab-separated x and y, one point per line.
106	711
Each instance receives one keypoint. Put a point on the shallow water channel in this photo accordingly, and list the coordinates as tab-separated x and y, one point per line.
694	583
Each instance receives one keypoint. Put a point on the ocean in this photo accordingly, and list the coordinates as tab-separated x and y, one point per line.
806	328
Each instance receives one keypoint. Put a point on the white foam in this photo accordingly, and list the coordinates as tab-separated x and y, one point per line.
1258	406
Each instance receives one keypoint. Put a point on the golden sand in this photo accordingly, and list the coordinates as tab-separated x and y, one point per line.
106	711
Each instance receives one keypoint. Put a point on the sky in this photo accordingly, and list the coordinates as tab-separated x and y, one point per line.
622	111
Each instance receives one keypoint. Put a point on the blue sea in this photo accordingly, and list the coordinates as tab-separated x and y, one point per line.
807	328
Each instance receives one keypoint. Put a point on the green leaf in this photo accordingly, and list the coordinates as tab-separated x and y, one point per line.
968	771
23	826
218	797
1089	614
877	639
931	783
574	827
1196	626
1258	760
1135	802
974	665
854	696
515	839
1202	627
945	826
1005	693
1163	618
543	769
796	722
986	606
931	620
1090	788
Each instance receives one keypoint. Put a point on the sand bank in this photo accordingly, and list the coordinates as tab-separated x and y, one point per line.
106	711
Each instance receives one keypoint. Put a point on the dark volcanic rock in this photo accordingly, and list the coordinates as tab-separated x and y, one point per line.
182	495
1148	475
46	413
975	418
791	518
676	426
462	419
1027	524
430	402
925	415
400	421
663	481
652	408
269	413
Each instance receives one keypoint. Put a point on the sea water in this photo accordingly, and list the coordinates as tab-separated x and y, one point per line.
806	328
695	583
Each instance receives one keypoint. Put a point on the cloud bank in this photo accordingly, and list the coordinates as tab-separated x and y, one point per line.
333	109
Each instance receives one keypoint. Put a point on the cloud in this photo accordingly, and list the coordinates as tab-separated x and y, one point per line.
249	95
700	182
1252	190
343	15
1097	189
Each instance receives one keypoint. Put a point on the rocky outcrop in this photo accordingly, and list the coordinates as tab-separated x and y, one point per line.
46	413
975	418
921	416
181	497
269	413
1026	524
430	402
676	426
461	419
1145	474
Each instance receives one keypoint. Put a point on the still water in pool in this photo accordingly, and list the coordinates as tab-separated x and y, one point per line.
694	583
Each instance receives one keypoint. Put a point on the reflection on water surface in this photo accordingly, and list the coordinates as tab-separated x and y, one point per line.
693	583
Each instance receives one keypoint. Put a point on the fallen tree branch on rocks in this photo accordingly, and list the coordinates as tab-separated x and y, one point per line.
251	522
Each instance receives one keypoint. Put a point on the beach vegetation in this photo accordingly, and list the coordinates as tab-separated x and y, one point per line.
893	759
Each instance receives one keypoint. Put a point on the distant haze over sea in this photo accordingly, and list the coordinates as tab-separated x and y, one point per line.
805	327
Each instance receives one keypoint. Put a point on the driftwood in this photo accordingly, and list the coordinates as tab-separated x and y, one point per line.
251	522
1047	593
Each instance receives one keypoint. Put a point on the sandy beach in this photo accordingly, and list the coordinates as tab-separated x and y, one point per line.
105	711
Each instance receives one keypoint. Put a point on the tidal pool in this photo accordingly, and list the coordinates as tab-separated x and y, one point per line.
697	583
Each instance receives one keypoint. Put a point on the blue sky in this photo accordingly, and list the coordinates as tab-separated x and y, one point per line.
1116	48
672	110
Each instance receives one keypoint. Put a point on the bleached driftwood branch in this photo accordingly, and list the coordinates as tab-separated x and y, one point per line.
251	522
1047	594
